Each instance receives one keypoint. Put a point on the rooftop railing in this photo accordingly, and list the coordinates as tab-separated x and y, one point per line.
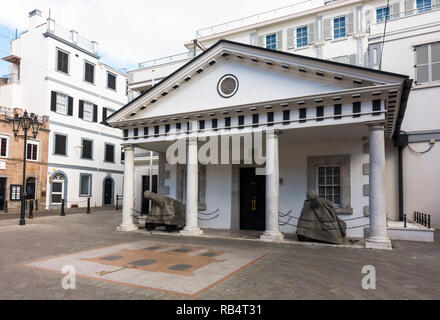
71	36
169	59
407	13
260	17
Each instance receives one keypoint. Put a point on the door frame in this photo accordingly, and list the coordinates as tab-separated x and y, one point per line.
103	191
64	192
250	166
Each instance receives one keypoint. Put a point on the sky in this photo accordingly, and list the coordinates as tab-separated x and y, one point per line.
129	31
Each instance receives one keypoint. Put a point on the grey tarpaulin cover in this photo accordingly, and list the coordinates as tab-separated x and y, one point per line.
318	220
165	210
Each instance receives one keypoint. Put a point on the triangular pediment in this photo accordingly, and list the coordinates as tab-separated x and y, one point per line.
256	76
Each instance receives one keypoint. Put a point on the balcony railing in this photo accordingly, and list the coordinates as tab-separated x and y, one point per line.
169	59
407	13
260	17
11	78
71	36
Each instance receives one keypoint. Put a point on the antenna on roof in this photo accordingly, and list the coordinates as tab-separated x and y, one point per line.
49	13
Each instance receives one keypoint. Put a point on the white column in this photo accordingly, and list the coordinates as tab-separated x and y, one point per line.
272	232
192	191
127	203
378	238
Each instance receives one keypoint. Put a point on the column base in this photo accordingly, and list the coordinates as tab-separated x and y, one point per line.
127	228
378	243
192	231
272	236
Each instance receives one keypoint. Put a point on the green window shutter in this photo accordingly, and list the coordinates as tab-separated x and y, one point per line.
395	9
350	25
260	41
280	40
409	6
290	38
311	33
327	29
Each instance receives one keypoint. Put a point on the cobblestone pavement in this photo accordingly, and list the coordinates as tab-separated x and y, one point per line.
291	271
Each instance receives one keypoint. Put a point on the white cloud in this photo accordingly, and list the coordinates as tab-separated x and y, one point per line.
132	31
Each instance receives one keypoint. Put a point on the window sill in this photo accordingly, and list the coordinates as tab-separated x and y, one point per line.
87	159
114	90
92	83
339	39
344	210
60	155
423	85
301	48
62	72
110	162
84	196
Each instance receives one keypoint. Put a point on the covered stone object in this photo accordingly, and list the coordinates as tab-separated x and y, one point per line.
165	211
319	221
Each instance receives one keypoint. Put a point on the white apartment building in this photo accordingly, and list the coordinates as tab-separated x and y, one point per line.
57	72
351	32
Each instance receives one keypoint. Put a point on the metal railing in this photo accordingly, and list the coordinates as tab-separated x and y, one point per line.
259	17
169	59
66	34
422	218
407	13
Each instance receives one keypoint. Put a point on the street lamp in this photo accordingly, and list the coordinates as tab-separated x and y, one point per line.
25	122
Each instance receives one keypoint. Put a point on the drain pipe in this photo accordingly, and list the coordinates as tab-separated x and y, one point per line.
401	142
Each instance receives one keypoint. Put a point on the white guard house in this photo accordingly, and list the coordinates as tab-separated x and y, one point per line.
272	125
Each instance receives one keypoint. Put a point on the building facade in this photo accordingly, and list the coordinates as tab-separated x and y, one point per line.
56	71
11	163
361	33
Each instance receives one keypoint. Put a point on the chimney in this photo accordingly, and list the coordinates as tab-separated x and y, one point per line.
35	18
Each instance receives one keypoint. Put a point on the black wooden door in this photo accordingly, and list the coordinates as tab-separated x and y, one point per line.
145	187
252	200
108	190
2	193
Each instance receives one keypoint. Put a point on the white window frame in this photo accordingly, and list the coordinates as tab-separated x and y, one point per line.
68	61
428	63
345	27
33	142
265	40
330	185
94	71
86	103
89	194
424	8
307	36
384	17
60	97
116	80
7	146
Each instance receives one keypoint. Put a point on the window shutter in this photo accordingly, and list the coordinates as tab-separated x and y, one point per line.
368	17
280	40
70	107
253	38
395	9
290	38
81	109
350	23
104	114
95	113
311	33
327	29
260	40
53	102
352	59
409	6
358	19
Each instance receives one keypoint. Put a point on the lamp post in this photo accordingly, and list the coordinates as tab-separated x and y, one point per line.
25	122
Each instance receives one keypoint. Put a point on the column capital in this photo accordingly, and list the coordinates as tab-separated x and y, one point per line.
376	126
128	147
192	140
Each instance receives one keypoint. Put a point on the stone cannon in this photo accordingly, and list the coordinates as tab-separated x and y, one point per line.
165	211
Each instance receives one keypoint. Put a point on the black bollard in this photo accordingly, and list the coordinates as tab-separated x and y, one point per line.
31	209
36	205
62	208
429	221
404	220
6	206
117	199
88	206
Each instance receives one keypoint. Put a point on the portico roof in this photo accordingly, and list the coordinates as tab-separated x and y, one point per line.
269	80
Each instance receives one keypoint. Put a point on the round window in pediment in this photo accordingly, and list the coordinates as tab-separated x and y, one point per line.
227	86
